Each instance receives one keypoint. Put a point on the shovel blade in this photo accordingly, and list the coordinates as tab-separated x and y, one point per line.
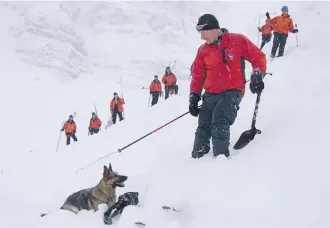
245	138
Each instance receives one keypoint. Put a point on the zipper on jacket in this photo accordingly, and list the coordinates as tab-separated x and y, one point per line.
223	53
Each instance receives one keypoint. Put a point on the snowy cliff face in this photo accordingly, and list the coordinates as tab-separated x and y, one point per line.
71	39
47	38
122	35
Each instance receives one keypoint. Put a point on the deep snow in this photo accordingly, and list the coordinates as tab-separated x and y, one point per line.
279	180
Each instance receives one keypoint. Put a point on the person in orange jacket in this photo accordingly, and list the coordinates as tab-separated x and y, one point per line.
155	90
169	80
70	129
94	124
266	31
116	107
282	26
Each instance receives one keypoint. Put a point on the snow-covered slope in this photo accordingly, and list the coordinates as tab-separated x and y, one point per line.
279	180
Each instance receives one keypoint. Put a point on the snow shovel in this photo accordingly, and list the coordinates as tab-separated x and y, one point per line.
248	136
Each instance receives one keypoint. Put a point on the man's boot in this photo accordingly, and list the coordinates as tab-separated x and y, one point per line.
200	153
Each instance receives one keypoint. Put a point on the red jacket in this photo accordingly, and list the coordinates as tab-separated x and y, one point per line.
155	86
95	123
267	28
119	102
283	24
221	68
169	79
69	127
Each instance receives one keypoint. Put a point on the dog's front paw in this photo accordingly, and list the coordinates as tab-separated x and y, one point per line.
107	220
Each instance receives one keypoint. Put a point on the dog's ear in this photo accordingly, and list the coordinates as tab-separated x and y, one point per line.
110	168
105	171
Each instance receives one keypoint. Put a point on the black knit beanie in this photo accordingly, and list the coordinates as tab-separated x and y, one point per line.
207	22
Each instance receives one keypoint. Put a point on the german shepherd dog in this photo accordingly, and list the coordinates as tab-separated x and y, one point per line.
91	198
103	192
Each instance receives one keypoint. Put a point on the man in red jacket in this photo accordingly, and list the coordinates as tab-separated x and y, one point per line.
219	68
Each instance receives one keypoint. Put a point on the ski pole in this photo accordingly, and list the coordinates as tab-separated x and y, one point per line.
59	138
97	116
123	148
173	65
130	144
121	88
95	110
58	141
149	101
122	94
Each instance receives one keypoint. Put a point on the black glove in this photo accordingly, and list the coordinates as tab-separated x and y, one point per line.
62	129
193	104
123	201
256	84
295	31
267	15
128	198
107	217
150	92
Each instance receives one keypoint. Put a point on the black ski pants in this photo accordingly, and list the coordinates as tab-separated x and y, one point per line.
279	41
94	130
217	113
168	88
114	115
155	96
265	39
69	135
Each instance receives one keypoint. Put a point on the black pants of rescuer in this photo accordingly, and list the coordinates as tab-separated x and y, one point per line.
114	115
155	96
69	135
94	130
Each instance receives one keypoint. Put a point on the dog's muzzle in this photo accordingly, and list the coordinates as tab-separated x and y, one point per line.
120	181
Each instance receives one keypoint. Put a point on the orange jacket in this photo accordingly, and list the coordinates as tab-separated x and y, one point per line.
120	102
69	127
219	68
155	86
283	24
267	28
169	79
95	123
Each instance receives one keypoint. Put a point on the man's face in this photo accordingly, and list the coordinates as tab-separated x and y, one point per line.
168	71
209	35
156	78
116	96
